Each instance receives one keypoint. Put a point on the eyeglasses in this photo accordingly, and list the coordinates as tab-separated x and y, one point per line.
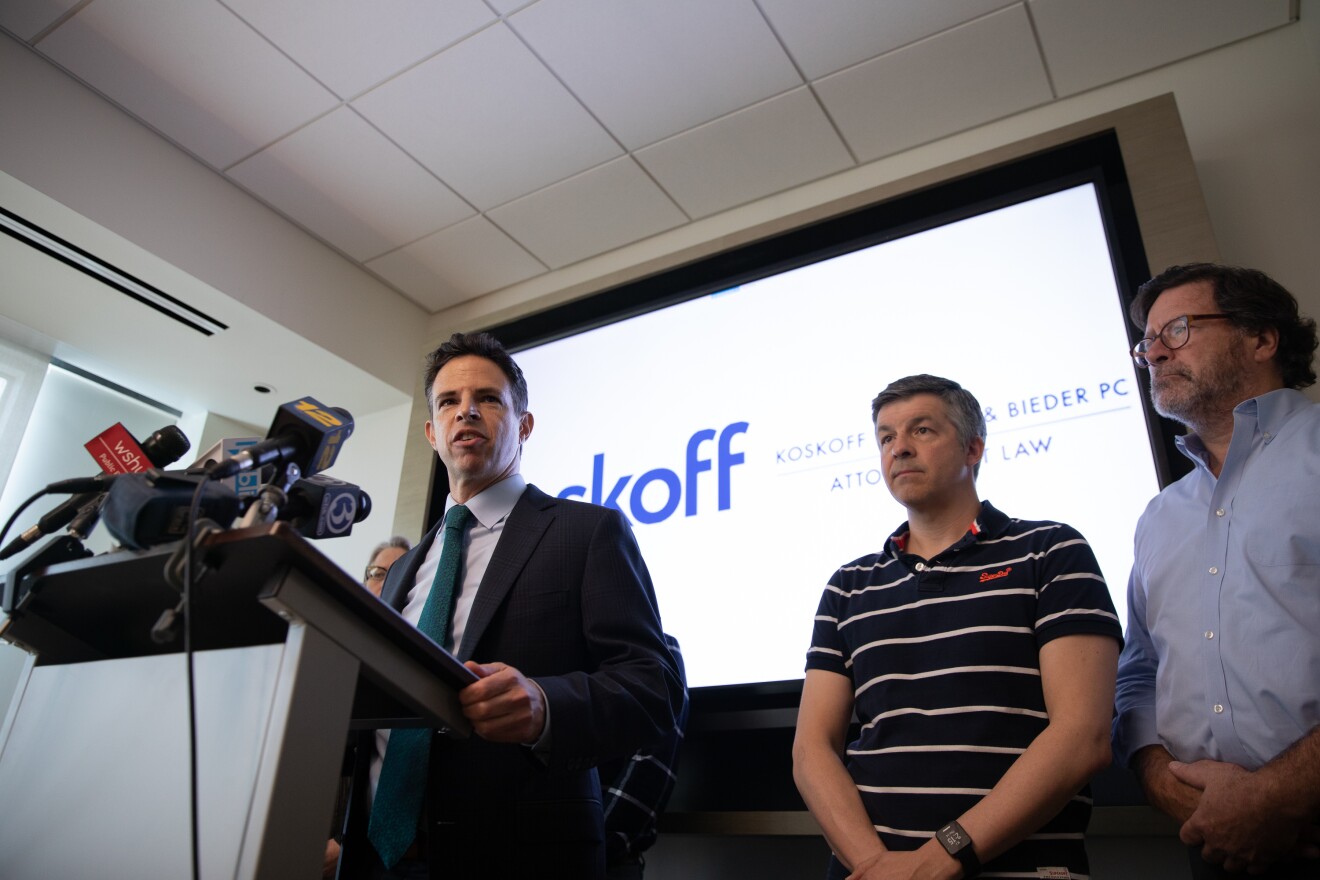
1173	335
376	572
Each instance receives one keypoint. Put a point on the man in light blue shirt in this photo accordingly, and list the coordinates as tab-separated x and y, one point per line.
1219	681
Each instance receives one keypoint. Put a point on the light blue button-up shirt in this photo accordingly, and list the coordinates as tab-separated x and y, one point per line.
1222	658
490	508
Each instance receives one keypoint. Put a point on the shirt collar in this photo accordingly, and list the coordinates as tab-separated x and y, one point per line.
988	523
1274	409
1269	411
493	503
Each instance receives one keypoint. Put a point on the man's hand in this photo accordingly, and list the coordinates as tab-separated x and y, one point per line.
1241	822
331	858
929	862
1165	791
504	706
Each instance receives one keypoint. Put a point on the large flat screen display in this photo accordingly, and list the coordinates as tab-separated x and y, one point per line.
726	411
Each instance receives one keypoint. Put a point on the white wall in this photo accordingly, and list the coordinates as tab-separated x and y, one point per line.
23	370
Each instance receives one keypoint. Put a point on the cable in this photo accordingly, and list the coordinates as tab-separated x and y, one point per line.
190	536
9	524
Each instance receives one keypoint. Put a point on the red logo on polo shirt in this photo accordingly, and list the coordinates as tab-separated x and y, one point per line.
987	576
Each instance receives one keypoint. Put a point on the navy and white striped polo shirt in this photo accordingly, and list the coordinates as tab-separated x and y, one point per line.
944	660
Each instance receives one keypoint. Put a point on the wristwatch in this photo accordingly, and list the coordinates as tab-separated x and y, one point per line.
958	844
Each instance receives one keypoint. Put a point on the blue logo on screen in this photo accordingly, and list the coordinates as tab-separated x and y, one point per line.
675	489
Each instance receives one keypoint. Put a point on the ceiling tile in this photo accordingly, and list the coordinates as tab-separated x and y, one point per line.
505	7
957	80
489	120
651	68
193	71
27	18
350	45
457	264
343	181
828	35
597	211
767	148
1088	44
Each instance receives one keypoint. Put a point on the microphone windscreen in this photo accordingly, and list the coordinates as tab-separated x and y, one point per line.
143	510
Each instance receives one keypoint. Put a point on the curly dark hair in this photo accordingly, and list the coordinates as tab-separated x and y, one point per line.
479	345
1254	301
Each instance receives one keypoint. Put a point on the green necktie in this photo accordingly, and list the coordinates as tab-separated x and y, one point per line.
398	803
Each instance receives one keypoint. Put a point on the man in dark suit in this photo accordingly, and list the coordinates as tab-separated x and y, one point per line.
554	610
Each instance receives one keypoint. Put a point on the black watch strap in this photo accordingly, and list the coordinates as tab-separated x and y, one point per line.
958	844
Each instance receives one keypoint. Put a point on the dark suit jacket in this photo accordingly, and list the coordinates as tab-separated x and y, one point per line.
568	601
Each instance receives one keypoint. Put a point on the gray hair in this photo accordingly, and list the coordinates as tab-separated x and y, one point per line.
963	409
396	541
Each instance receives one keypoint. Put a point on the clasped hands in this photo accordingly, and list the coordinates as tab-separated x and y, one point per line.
927	862
1244	820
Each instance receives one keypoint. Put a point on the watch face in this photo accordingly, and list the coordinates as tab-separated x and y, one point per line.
953	837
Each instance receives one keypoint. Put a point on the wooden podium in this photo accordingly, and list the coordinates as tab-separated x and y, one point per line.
290	654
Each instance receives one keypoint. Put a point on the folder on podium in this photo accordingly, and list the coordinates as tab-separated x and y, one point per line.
290	654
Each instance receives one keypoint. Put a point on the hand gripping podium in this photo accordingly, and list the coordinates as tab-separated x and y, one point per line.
289	655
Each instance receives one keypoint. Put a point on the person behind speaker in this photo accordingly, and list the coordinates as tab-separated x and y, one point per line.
637	789
1219	682
978	652
555	613
386	554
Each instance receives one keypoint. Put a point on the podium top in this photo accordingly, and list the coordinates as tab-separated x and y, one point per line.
256	581
104	607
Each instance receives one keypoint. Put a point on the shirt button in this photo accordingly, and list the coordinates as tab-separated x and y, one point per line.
1214	569
1219	512
1219	710
1209	634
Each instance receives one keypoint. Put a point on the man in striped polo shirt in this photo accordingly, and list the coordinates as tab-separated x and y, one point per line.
979	653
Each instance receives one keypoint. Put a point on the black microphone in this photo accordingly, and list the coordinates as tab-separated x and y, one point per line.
323	507
83	487
81	525
305	433
162	448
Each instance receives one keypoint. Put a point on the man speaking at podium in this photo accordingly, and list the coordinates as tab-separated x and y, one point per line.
549	602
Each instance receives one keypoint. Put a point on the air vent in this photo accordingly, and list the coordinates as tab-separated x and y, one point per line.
72	255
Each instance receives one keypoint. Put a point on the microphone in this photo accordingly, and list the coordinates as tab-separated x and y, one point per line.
81	525
305	434
117	453
323	507
245	484
142	510
84	487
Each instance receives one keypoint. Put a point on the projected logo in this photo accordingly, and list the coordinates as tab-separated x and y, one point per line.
655	495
